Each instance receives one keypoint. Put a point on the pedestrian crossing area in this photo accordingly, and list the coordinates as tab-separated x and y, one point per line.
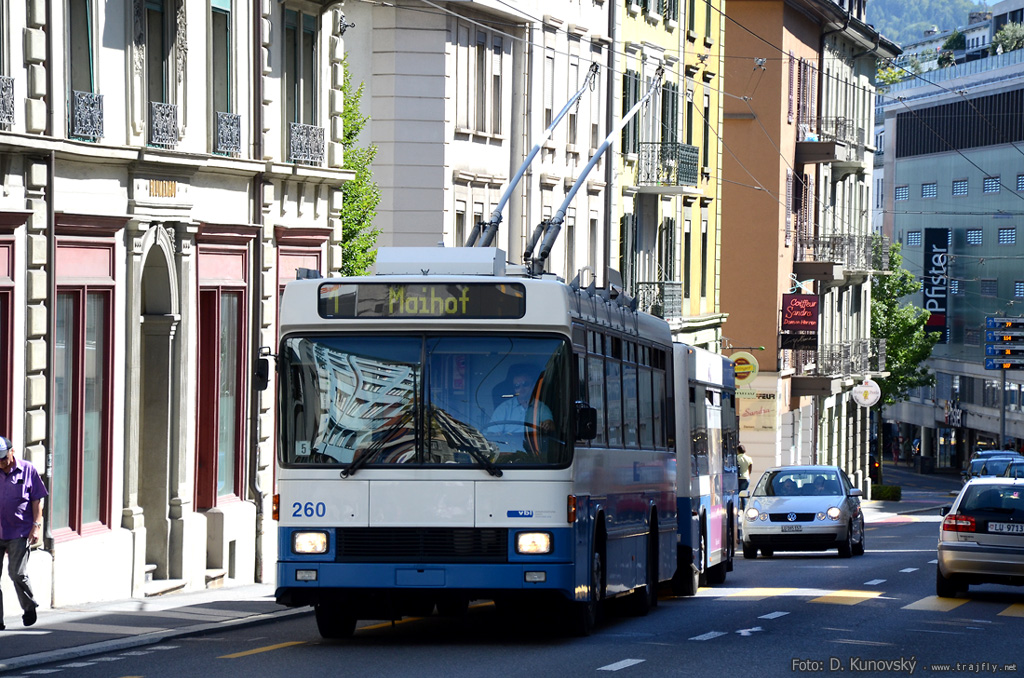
857	596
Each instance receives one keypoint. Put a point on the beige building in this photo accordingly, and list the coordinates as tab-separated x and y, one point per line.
797	252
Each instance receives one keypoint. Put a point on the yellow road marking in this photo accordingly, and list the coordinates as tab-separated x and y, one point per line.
936	604
1015	610
258	650
759	593
846	597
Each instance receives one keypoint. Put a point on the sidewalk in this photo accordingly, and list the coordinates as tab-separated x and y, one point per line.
67	633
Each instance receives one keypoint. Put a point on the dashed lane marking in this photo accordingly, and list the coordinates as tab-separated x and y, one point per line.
1015	610
936	604
624	664
874	582
258	650
709	635
773	615
909	569
846	597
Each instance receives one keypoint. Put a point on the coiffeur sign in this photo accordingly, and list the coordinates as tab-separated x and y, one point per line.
800	312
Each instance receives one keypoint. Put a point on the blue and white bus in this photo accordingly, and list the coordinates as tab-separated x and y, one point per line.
708	477
453	428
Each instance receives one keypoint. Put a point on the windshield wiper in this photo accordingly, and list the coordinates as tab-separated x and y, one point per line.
370	453
457	439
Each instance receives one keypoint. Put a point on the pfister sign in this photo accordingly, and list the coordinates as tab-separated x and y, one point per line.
936	285
800	313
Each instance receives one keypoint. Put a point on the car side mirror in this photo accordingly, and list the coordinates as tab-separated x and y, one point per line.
744	494
943	510
856	492
586	422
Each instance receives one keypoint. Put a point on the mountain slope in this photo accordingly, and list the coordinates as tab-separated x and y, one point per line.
905	21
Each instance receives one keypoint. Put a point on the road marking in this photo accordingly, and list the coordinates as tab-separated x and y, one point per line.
756	593
846	597
709	635
874	582
933	562
1015	610
624	664
909	569
936	604
749	632
258	650
75	665
773	615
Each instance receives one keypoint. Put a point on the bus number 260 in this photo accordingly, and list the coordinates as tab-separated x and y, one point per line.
309	509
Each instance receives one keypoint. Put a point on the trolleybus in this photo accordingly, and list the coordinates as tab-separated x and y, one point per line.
454	428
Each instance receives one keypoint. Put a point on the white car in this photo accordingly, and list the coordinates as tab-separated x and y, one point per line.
981	539
803	508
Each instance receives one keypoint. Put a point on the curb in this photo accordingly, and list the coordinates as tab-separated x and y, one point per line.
128	642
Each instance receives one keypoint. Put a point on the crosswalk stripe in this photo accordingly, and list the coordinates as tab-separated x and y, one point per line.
1015	610
846	597
759	593
936	604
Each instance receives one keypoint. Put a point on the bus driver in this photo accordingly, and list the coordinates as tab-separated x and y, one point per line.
519	414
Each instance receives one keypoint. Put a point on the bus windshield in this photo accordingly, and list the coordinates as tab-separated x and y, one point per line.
424	400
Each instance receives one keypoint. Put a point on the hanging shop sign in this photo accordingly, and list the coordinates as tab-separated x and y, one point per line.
867	393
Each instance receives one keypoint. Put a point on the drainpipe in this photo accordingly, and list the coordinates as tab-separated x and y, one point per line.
609	166
255	490
51	289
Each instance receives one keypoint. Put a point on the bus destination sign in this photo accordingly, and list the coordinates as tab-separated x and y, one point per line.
451	301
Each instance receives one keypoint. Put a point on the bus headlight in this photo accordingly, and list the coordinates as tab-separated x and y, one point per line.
309	542
533	543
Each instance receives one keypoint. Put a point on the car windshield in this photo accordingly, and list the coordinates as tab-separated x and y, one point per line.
424	400
990	466
1005	500
1015	470
799	482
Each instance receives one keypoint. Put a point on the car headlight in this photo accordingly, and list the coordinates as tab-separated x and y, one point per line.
751	513
533	543
309	542
834	513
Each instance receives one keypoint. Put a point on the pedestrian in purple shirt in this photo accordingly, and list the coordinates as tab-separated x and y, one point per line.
21	524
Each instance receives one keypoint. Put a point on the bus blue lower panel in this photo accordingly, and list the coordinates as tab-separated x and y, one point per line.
474	577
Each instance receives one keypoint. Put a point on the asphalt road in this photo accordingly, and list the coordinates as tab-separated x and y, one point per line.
875	614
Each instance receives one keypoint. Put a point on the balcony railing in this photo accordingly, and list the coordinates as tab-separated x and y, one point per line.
163	125
844	359
855	252
305	144
663	299
86	116
229	134
667	164
6	101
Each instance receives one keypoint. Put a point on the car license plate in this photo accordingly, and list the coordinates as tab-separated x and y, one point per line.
792	528
1006	528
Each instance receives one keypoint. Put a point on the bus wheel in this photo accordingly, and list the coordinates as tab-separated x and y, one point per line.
333	624
584	614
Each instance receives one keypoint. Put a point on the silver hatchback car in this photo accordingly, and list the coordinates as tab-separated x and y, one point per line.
981	539
803	508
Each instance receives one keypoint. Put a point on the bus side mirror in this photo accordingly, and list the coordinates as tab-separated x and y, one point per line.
586	422
261	379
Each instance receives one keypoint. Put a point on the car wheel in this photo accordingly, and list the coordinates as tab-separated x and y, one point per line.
946	587
858	548
846	547
767	553
749	551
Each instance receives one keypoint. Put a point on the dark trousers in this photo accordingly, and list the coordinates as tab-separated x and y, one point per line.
16	551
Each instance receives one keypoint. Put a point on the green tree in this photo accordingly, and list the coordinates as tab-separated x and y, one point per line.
907	344
947	60
360	195
1009	38
955	41
888	75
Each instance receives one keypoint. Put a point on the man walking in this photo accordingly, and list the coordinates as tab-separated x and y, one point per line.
21	524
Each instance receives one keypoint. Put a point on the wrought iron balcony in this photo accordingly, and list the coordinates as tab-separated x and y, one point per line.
832	140
842	360
663	299
305	144
854	252
86	116
163	125
229	134
6	101
667	165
